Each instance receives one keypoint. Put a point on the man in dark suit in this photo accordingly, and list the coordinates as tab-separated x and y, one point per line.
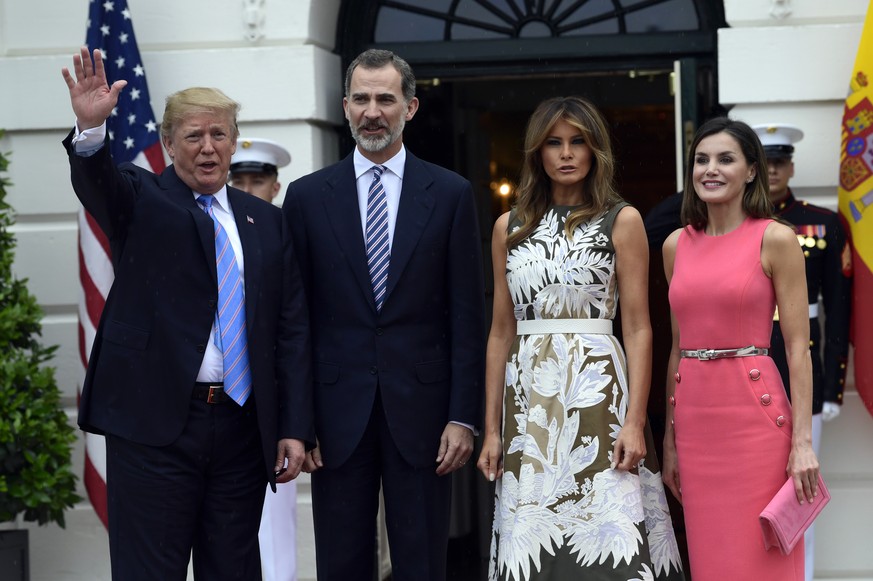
200	387
390	258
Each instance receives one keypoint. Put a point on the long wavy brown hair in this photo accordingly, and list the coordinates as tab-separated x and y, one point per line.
756	197
535	187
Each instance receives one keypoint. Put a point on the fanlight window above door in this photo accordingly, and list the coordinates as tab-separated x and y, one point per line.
442	20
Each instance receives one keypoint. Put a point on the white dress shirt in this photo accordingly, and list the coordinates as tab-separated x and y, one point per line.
392	182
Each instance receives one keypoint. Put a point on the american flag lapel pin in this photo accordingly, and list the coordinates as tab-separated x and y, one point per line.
250	220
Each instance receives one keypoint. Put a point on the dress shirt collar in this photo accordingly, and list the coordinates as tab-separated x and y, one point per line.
395	165
220	199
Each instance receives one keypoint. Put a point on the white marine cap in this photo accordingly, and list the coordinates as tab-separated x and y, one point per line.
778	139
255	155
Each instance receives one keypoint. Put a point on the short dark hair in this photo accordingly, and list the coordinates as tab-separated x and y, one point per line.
375	58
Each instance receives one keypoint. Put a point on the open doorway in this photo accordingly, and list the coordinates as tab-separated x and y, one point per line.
476	126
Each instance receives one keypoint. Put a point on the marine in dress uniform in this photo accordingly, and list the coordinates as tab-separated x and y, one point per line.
828	278
254	168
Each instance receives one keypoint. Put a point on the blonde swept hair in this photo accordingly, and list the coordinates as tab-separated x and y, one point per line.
535	187
194	100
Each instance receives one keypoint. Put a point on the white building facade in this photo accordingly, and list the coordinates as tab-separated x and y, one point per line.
480	75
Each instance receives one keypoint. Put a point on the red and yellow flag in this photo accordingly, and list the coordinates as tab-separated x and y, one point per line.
856	205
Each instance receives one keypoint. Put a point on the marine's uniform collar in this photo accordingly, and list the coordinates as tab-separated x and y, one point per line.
785	203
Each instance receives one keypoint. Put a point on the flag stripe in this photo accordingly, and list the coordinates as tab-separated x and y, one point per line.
154	157
93	298
95	252
95	485
87	330
134	137
96	233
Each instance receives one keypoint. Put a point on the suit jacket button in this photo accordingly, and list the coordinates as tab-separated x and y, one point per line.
678	377
374	370
754	375
380	331
766	399
201	348
780	421
212	303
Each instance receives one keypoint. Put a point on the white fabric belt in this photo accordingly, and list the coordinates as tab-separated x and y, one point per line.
549	326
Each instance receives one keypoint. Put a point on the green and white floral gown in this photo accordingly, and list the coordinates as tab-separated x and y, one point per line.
561	512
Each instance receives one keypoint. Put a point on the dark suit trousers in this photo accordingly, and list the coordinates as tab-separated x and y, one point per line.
345	502
203	492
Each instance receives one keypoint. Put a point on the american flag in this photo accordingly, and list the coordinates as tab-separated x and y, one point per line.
133	134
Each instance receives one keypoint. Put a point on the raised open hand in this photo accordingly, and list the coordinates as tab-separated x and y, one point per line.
90	94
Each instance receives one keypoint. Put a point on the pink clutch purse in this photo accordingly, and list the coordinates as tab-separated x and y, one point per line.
784	520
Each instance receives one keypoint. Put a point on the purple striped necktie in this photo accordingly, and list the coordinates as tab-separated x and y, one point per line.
378	250
230	319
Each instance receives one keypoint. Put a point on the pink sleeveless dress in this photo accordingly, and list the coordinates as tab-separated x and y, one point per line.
732	417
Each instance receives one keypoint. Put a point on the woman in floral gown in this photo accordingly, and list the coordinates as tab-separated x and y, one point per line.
565	423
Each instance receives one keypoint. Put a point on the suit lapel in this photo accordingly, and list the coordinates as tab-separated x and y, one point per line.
416	205
248	235
181	194
251	245
341	207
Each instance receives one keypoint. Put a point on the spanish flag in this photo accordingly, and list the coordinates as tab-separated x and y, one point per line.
856	205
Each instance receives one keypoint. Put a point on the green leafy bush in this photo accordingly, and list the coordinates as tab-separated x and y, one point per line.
36	479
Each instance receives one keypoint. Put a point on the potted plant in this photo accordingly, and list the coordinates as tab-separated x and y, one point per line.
36	480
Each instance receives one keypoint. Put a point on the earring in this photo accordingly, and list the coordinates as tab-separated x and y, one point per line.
749	180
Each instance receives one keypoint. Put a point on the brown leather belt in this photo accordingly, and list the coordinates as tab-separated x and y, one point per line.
210	392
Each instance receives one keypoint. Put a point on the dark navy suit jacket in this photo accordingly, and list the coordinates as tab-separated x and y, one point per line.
151	337
425	349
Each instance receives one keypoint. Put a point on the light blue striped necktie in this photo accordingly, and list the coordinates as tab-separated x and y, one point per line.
378	250
230	319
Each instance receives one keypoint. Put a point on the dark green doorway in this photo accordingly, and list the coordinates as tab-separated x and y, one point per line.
476	127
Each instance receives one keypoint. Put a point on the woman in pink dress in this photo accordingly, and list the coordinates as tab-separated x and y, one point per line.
732	437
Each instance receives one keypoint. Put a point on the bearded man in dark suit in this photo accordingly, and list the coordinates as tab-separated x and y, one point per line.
390	258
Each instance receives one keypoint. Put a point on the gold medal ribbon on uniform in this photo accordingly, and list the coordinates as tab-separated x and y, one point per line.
812	235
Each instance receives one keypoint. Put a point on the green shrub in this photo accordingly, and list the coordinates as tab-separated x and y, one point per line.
36	479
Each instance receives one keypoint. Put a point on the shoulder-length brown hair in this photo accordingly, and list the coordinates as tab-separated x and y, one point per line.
756	197
535	187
